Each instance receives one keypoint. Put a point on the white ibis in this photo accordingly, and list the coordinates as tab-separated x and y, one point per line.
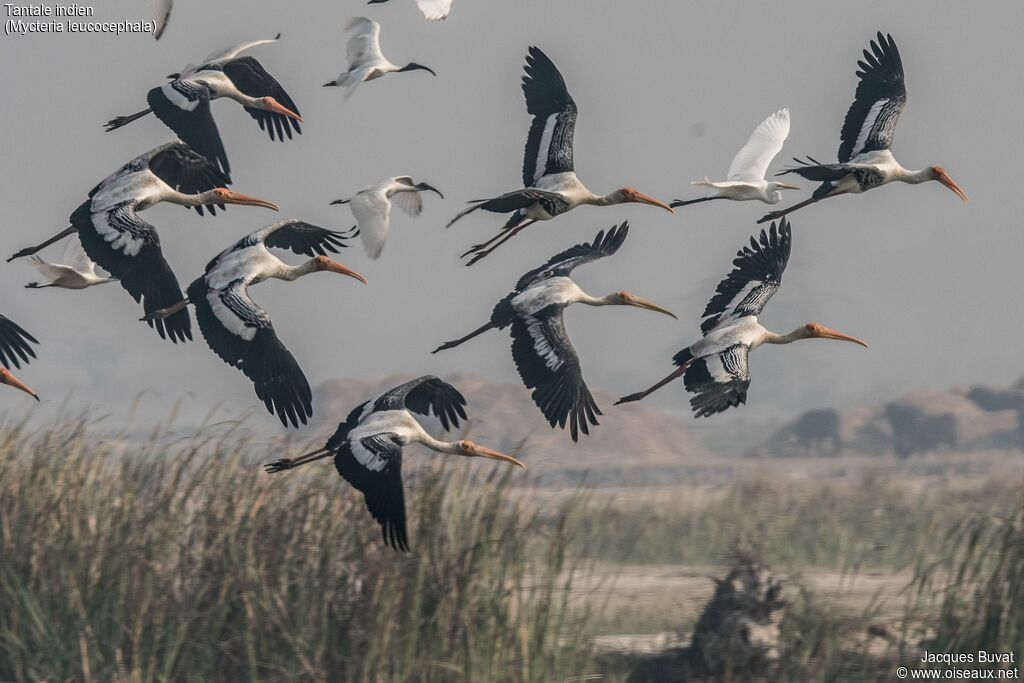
433	10
746	177
865	155
183	104
239	331
15	350
368	446
161	15
544	356
714	369
550	185
119	241
77	272
371	207
365	60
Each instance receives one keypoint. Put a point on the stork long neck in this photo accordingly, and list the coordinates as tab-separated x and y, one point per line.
796	335
915	177
201	199
609	300
609	199
289	273
433	444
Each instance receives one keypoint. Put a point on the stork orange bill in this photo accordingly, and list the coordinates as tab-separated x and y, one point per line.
324	263
231	197
823	332
639	302
943	177
476	450
6	377
278	108
641	198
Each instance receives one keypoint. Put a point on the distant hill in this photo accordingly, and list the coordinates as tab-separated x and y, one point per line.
632	446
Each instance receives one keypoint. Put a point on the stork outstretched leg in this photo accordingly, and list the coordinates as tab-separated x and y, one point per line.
163	313
678	372
461	340
776	215
687	202
28	251
484	250
117	122
286	464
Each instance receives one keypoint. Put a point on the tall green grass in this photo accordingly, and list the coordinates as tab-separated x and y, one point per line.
188	563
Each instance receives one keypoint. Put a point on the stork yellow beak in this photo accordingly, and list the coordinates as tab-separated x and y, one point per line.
828	333
633	300
476	449
231	197
944	178
6	377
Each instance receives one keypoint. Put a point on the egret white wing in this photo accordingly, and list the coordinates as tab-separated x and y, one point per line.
409	202
372	212
435	10
751	162
364	44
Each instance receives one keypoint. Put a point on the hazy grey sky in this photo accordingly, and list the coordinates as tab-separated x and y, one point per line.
667	93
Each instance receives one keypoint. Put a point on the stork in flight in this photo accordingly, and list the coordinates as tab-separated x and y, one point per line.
119	241
368	446
365	60
433	10
550	185
714	369
183	104
544	356
371	207
865	155
14	350
746	177
76	272
239	331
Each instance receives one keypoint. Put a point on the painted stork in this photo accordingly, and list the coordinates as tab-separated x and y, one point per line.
78	271
371	207
15	350
433	10
544	356
714	369
865	155
551	187
367	447
365	60
161	15
745	179
239	331
118	240
183	104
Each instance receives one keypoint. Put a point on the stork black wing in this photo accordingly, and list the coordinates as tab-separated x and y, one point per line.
549	144
186	171
184	107
548	364
373	466
426	395
251	78
129	249
14	340
303	238
561	265
881	94
242	335
719	381
755	277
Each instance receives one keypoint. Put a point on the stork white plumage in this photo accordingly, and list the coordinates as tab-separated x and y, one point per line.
366	62
119	241
865	150
714	369
161	15
550	185
76	270
541	349
183	104
371	207
433	10
239	331
746	177
368	446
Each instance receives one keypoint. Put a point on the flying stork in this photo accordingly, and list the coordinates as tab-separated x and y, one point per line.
15	349
544	356
183	104
714	369
433	10
865	155
745	179
550	185
239	331
371	207
118	240
367	447
365	60
78	271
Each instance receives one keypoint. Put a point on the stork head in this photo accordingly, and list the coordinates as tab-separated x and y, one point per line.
938	173
6	377
472	449
630	299
629	195
225	196
322	263
270	104
413	66
819	331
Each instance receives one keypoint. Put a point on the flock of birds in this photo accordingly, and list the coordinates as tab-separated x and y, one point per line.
194	171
